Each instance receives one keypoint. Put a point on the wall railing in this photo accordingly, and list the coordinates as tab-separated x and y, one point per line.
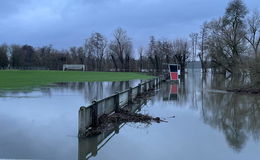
89	116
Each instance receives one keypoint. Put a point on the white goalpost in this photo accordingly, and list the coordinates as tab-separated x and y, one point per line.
73	67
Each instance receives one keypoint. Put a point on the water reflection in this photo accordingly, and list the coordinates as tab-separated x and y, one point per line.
35	124
42	123
236	115
88	147
90	90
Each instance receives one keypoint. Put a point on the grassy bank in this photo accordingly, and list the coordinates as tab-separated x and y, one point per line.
10	80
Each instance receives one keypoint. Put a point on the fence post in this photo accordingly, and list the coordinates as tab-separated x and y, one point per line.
116	127
130	95
116	102
94	113
150	85
139	89
145	87
154	83
82	122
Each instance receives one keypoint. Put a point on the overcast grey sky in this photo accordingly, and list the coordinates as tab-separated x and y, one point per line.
66	23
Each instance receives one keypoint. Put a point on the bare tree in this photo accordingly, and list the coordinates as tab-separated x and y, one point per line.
4	56
233	31
45	54
181	52
194	44
202	46
121	49
74	55
95	46
220	58
17	59
160	53
141	54
253	32
226	42
81	55
152	53
165	48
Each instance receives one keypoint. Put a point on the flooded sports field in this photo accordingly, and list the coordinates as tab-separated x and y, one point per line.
209	123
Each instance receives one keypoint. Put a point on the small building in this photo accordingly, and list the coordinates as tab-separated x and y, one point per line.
174	70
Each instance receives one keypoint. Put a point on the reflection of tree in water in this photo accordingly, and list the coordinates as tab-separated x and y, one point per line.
221	81
92	90
183	91
235	115
238	116
165	91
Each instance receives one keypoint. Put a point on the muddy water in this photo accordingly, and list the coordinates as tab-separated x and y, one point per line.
209	123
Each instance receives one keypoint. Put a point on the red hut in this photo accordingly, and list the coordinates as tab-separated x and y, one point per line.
174	73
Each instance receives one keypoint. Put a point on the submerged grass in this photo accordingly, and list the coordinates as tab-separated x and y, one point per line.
21	79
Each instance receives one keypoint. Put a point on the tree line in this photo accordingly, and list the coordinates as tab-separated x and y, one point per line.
229	44
99	54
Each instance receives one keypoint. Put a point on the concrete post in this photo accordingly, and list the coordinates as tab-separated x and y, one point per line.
116	127
145	87
150	85
82	122
116	102
130	95
94	114
139	89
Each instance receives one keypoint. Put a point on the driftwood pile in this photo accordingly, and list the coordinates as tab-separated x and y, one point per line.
106	122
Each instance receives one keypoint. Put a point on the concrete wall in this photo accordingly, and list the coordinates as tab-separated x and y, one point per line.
88	116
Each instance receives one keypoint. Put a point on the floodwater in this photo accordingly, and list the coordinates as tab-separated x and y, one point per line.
209	123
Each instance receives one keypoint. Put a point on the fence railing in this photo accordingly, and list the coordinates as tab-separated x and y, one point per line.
89	146
89	116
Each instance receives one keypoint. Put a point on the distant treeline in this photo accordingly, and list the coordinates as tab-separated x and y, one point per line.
229	44
98	55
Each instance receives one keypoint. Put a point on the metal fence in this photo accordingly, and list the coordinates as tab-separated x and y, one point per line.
88	116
